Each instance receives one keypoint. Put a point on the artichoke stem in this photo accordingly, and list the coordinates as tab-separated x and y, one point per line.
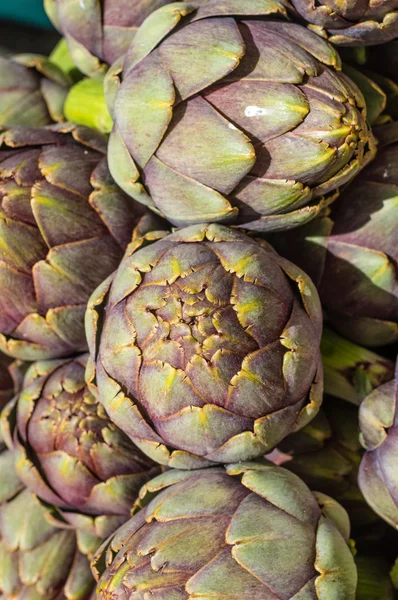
85	105
351	372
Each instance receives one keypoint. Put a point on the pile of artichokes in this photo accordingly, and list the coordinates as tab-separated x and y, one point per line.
199	303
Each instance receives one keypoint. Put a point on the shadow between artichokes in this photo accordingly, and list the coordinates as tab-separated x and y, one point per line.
205	347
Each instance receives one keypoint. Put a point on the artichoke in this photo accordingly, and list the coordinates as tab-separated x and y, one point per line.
64	225
326	454
99	31
37	560
352	23
378	474
70	454
352	254
277	128
250	531
208	347
32	91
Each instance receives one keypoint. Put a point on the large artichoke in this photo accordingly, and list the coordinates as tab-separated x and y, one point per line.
32	91
352	254
208	347
99	31
70	454
64	225
378	474
326	454
250	531
227	115
353	22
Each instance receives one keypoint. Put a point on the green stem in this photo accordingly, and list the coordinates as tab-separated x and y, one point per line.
85	105
352	372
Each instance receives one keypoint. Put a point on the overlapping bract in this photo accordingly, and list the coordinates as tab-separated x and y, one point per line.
208	347
354	22
226	115
32	91
99	31
250	531
378	475
70	454
64	225
352	254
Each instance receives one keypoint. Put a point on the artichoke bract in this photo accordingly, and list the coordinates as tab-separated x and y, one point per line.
354	22
327	453
32	91
378	474
64	226
250	531
100	31
69	453
352	254
205	347
223	114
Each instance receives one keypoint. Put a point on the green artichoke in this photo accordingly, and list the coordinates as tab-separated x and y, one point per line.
32	91
352	254
99	31
64	226
205	347
250	531
353	22
326	454
70	454
378	474
276	128
37	560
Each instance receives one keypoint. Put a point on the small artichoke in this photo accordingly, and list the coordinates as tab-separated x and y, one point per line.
276	127
64	226
353	22
326	454
250	531
99	31
208	347
37	560
352	254
69	453
378	474
32	91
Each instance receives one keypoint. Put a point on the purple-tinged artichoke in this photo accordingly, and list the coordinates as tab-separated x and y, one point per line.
69	453
352	254
99	31
64	226
32	91
353	22
205	347
224	114
378	474
250	531
326	455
